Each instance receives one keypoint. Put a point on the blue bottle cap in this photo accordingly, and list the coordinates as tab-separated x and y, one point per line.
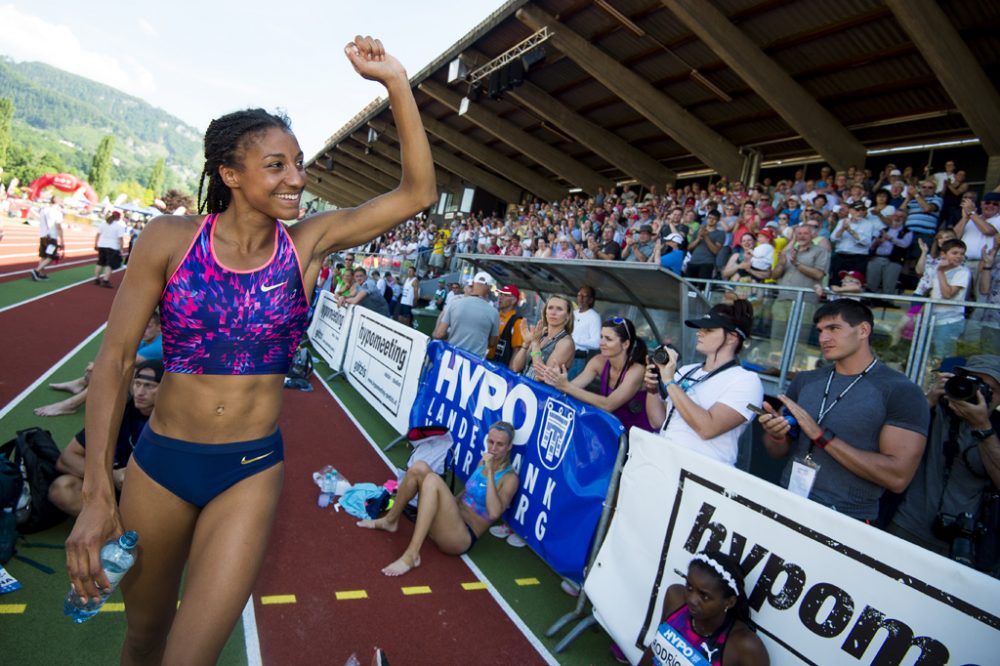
128	540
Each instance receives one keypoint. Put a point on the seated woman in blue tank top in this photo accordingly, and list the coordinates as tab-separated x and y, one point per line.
620	368
454	524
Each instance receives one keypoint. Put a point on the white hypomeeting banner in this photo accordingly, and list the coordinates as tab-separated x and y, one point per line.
384	360
823	588
328	330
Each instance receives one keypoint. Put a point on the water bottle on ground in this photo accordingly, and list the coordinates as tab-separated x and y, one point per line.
117	556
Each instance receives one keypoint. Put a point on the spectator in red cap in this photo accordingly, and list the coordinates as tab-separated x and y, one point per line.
508	298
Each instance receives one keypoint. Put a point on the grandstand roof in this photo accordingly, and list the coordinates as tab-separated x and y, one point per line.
648	91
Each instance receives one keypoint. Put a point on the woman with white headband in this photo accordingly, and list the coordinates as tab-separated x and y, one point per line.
707	616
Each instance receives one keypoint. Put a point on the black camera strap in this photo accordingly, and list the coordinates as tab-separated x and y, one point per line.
687	383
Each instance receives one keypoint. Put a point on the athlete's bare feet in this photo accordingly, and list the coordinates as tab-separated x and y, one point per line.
57	408
402	565
380	524
73	387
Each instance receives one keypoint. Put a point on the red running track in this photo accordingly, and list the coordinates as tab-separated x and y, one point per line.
315	553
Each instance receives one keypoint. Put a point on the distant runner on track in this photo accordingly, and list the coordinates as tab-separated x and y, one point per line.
234	289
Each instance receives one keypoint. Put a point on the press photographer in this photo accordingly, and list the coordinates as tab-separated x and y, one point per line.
951	506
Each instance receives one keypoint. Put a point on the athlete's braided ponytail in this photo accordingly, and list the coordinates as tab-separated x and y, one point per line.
223	140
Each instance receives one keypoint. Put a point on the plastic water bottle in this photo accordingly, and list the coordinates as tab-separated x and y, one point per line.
117	557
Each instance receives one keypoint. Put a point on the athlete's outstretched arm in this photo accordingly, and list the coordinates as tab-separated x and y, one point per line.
350	227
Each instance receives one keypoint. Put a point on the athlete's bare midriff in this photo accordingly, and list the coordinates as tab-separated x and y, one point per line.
217	409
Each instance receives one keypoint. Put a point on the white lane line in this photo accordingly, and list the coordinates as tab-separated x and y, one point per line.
514	617
250	635
48	373
50	293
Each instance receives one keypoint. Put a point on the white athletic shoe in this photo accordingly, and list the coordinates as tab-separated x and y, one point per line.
500	531
516	541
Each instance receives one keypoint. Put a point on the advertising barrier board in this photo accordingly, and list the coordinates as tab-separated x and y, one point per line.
564	449
383	363
328	330
823	588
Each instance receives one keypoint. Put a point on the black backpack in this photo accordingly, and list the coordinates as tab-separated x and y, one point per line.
35	453
301	366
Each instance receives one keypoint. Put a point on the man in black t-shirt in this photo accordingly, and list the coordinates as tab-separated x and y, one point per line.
66	490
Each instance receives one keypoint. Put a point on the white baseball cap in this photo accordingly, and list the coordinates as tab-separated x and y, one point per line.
482	277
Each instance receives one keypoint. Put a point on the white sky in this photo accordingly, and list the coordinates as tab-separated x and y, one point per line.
199	60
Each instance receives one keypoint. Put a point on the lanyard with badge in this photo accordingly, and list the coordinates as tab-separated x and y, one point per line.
804	470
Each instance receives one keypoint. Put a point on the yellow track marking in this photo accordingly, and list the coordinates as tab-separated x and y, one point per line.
351	594
12	609
474	586
113	608
527	581
418	589
278	599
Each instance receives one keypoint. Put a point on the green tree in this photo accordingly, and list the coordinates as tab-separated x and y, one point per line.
26	164
100	168
6	115
156	178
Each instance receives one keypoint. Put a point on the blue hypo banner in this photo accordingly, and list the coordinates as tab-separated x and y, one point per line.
564	450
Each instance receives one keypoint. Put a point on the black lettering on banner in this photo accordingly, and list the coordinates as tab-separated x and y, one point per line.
898	641
736	547
836	620
703	523
791	588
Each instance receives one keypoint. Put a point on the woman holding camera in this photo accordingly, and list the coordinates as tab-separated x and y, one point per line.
620	369
703	406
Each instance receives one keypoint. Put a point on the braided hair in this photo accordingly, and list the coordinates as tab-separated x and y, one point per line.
741	610
225	139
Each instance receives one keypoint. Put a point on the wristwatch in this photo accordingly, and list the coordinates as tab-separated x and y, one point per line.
983	434
824	438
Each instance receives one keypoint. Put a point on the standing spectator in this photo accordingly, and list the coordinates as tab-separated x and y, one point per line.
50	238
705	247
110	244
586	329
549	342
508	298
471	323
639	247
366	294
961	466
923	209
408	296
705	404
852	239
801	264
977	231
942	178
889	251
988	286
950	280
608	249
668	253
859	431
441	294
951	199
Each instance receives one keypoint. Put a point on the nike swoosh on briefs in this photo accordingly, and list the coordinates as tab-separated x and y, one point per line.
247	462
269	287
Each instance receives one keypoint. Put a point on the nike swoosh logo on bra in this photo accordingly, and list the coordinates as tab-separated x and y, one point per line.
247	462
269	287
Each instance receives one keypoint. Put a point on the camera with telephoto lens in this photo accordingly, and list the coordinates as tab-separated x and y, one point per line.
960	532
963	387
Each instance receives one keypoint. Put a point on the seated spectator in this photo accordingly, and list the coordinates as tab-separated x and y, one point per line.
703	406
607	248
549	342
586	329
471	323
639	246
714	587
668	253
762	260
620	367
454	524
852	239
950	280
851	284
150	349
739	268
859	433
66	490
960	467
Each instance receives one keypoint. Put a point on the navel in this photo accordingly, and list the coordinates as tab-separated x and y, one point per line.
220	410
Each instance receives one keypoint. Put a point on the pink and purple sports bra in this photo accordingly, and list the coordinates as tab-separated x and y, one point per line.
220	321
